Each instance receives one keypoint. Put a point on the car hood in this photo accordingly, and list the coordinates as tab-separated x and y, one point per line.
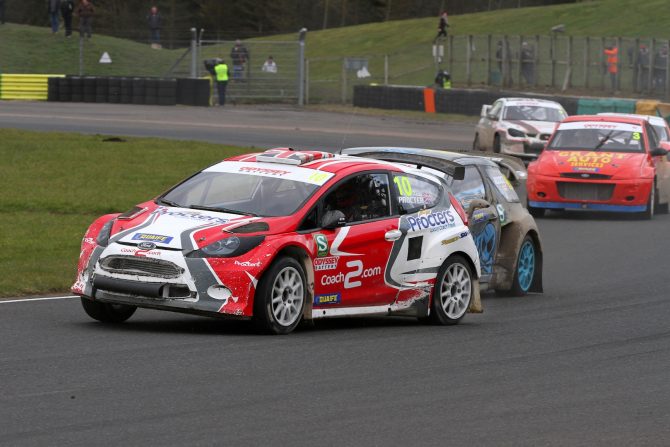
167	227
605	163
532	127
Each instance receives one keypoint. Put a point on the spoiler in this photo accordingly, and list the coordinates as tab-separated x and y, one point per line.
419	157
513	166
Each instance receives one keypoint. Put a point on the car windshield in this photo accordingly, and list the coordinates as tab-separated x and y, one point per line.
533	113
244	193
607	137
661	132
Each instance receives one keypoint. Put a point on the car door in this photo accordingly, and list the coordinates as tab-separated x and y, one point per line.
490	125
662	166
483	216
351	259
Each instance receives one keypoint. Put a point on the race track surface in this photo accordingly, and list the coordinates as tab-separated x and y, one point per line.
585	363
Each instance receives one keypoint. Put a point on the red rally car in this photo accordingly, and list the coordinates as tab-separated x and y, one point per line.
282	236
601	163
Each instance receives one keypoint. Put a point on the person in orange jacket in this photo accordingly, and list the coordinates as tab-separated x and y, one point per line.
612	54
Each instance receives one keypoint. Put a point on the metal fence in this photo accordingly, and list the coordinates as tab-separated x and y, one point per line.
573	65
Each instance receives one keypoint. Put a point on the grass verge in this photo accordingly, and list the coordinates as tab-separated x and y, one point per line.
54	184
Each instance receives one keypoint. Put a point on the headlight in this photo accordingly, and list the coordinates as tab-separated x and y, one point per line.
515	133
229	247
105	231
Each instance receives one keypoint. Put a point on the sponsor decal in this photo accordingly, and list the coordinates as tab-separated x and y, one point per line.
486	247
351	278
191	215
146	245
455	238
327	263
601	125
434	221
265	171
501	213
589	160
89	240
248	263
321	245
141	253
330	298
152	238
580	169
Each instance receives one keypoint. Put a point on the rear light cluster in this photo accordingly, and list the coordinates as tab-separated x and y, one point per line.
459	209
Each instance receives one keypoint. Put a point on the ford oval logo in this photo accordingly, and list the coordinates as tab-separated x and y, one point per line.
146	245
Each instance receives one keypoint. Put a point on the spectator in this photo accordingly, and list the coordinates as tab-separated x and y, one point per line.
641	73
85	11
54	11
612	54
239	56
221	70
660	65
155	22
442	26
66	10
2	12
528	63
269	66
443	79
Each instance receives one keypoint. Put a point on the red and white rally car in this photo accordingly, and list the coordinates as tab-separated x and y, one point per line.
517	126
601	163
282	236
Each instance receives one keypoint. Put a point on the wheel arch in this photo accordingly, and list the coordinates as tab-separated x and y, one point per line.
476	301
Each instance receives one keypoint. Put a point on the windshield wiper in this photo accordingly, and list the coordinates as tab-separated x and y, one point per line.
162	201
603	140
219	209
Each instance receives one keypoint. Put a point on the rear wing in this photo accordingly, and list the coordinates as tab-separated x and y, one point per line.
409	156
512	166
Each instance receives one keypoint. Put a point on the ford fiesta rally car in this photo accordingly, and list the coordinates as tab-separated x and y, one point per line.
517	126
601	163
282	236
506	235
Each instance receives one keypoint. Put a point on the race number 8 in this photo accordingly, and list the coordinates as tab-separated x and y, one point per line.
404	186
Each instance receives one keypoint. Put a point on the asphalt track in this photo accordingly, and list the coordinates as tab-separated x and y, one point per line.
585	363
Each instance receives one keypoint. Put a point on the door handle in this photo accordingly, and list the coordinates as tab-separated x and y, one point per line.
393	235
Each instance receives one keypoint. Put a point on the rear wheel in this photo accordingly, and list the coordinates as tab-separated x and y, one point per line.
452	293
526	266
107	312
475	144
280	297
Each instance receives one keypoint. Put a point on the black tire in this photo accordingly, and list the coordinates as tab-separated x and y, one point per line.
475	144
648	214
285	282
106	312
525	269
496	144
451	300
535	212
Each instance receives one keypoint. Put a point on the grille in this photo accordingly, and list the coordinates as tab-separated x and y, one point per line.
589	175
133	265
585	191
534	148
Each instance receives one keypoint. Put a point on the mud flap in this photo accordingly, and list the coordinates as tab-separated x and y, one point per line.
476	301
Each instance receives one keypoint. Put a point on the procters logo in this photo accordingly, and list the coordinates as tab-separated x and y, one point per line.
433	221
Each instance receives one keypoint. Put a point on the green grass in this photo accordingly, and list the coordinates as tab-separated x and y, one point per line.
55	184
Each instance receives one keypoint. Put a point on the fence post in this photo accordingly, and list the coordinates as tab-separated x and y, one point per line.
81	55
194	53
451	53
301	66
536	61
552	52
386	69
652	63
468	60
618	63
506	75
307	81
567	82
344	80
587	60
488	60
602	51
518	66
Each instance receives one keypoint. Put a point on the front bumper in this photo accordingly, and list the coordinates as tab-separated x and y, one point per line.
528	148
628	196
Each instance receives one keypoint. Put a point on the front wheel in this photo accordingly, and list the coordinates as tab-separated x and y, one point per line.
280	297
526	266
535	212
648	214
107	312
475	144
453	292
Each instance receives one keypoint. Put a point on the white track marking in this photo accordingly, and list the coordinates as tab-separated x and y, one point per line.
48	298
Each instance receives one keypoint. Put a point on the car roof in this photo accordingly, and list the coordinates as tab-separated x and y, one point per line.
452	156
606	119
654	120
531	101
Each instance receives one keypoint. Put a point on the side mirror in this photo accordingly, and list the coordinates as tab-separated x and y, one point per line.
658	151
476	204
485	110
492	117
333	219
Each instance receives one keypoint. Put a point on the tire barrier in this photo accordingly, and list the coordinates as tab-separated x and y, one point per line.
125	90
27	87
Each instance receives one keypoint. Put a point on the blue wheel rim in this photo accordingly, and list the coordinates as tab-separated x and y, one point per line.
526	265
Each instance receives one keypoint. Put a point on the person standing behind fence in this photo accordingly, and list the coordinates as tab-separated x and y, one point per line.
528	63
270	66
85	11
442	26
155	22
221	70
54	13
612	54
66	10
239	56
